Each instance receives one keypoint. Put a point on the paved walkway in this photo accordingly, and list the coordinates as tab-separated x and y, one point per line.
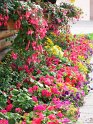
86	111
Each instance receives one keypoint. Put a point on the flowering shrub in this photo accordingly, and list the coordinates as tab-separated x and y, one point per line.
43	77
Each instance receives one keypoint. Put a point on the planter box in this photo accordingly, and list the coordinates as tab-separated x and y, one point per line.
5	41
7	33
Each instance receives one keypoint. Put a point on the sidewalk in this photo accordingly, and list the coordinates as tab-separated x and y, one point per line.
86	111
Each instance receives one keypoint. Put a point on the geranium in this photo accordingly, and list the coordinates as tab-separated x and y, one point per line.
46	93
40	108
52	117
19	110
3	121
60	115
9	107
3	111
34	98
37	121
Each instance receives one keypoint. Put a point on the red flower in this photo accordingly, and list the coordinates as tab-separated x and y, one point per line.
67	79
54	90
9	107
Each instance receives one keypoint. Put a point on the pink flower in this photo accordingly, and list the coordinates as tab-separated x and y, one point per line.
37	121
19	110
28	45
3	111
40	108
35	58
54	90
29	32
50	108
34	45
35	88
34	21
40	48
46	93
40	114
30	90
34	98
65	120
39	71
14	55
26	68
9	107
28	60
23	122
46	80
28	13
52	117
9	101
52	123
59	20
18	24
59	114
4	121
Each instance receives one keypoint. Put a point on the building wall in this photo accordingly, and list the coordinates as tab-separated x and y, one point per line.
91	9
85	6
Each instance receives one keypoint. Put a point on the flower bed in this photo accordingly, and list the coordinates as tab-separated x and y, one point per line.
42	86
43	79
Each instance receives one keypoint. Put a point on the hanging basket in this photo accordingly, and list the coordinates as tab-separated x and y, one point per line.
10	25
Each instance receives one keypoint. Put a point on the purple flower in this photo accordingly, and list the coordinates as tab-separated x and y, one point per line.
65	120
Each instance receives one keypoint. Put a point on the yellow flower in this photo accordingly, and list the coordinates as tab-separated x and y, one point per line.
72	1
60	84
91	45
88	60
82	67
73	89
49	41
72	110
81	57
